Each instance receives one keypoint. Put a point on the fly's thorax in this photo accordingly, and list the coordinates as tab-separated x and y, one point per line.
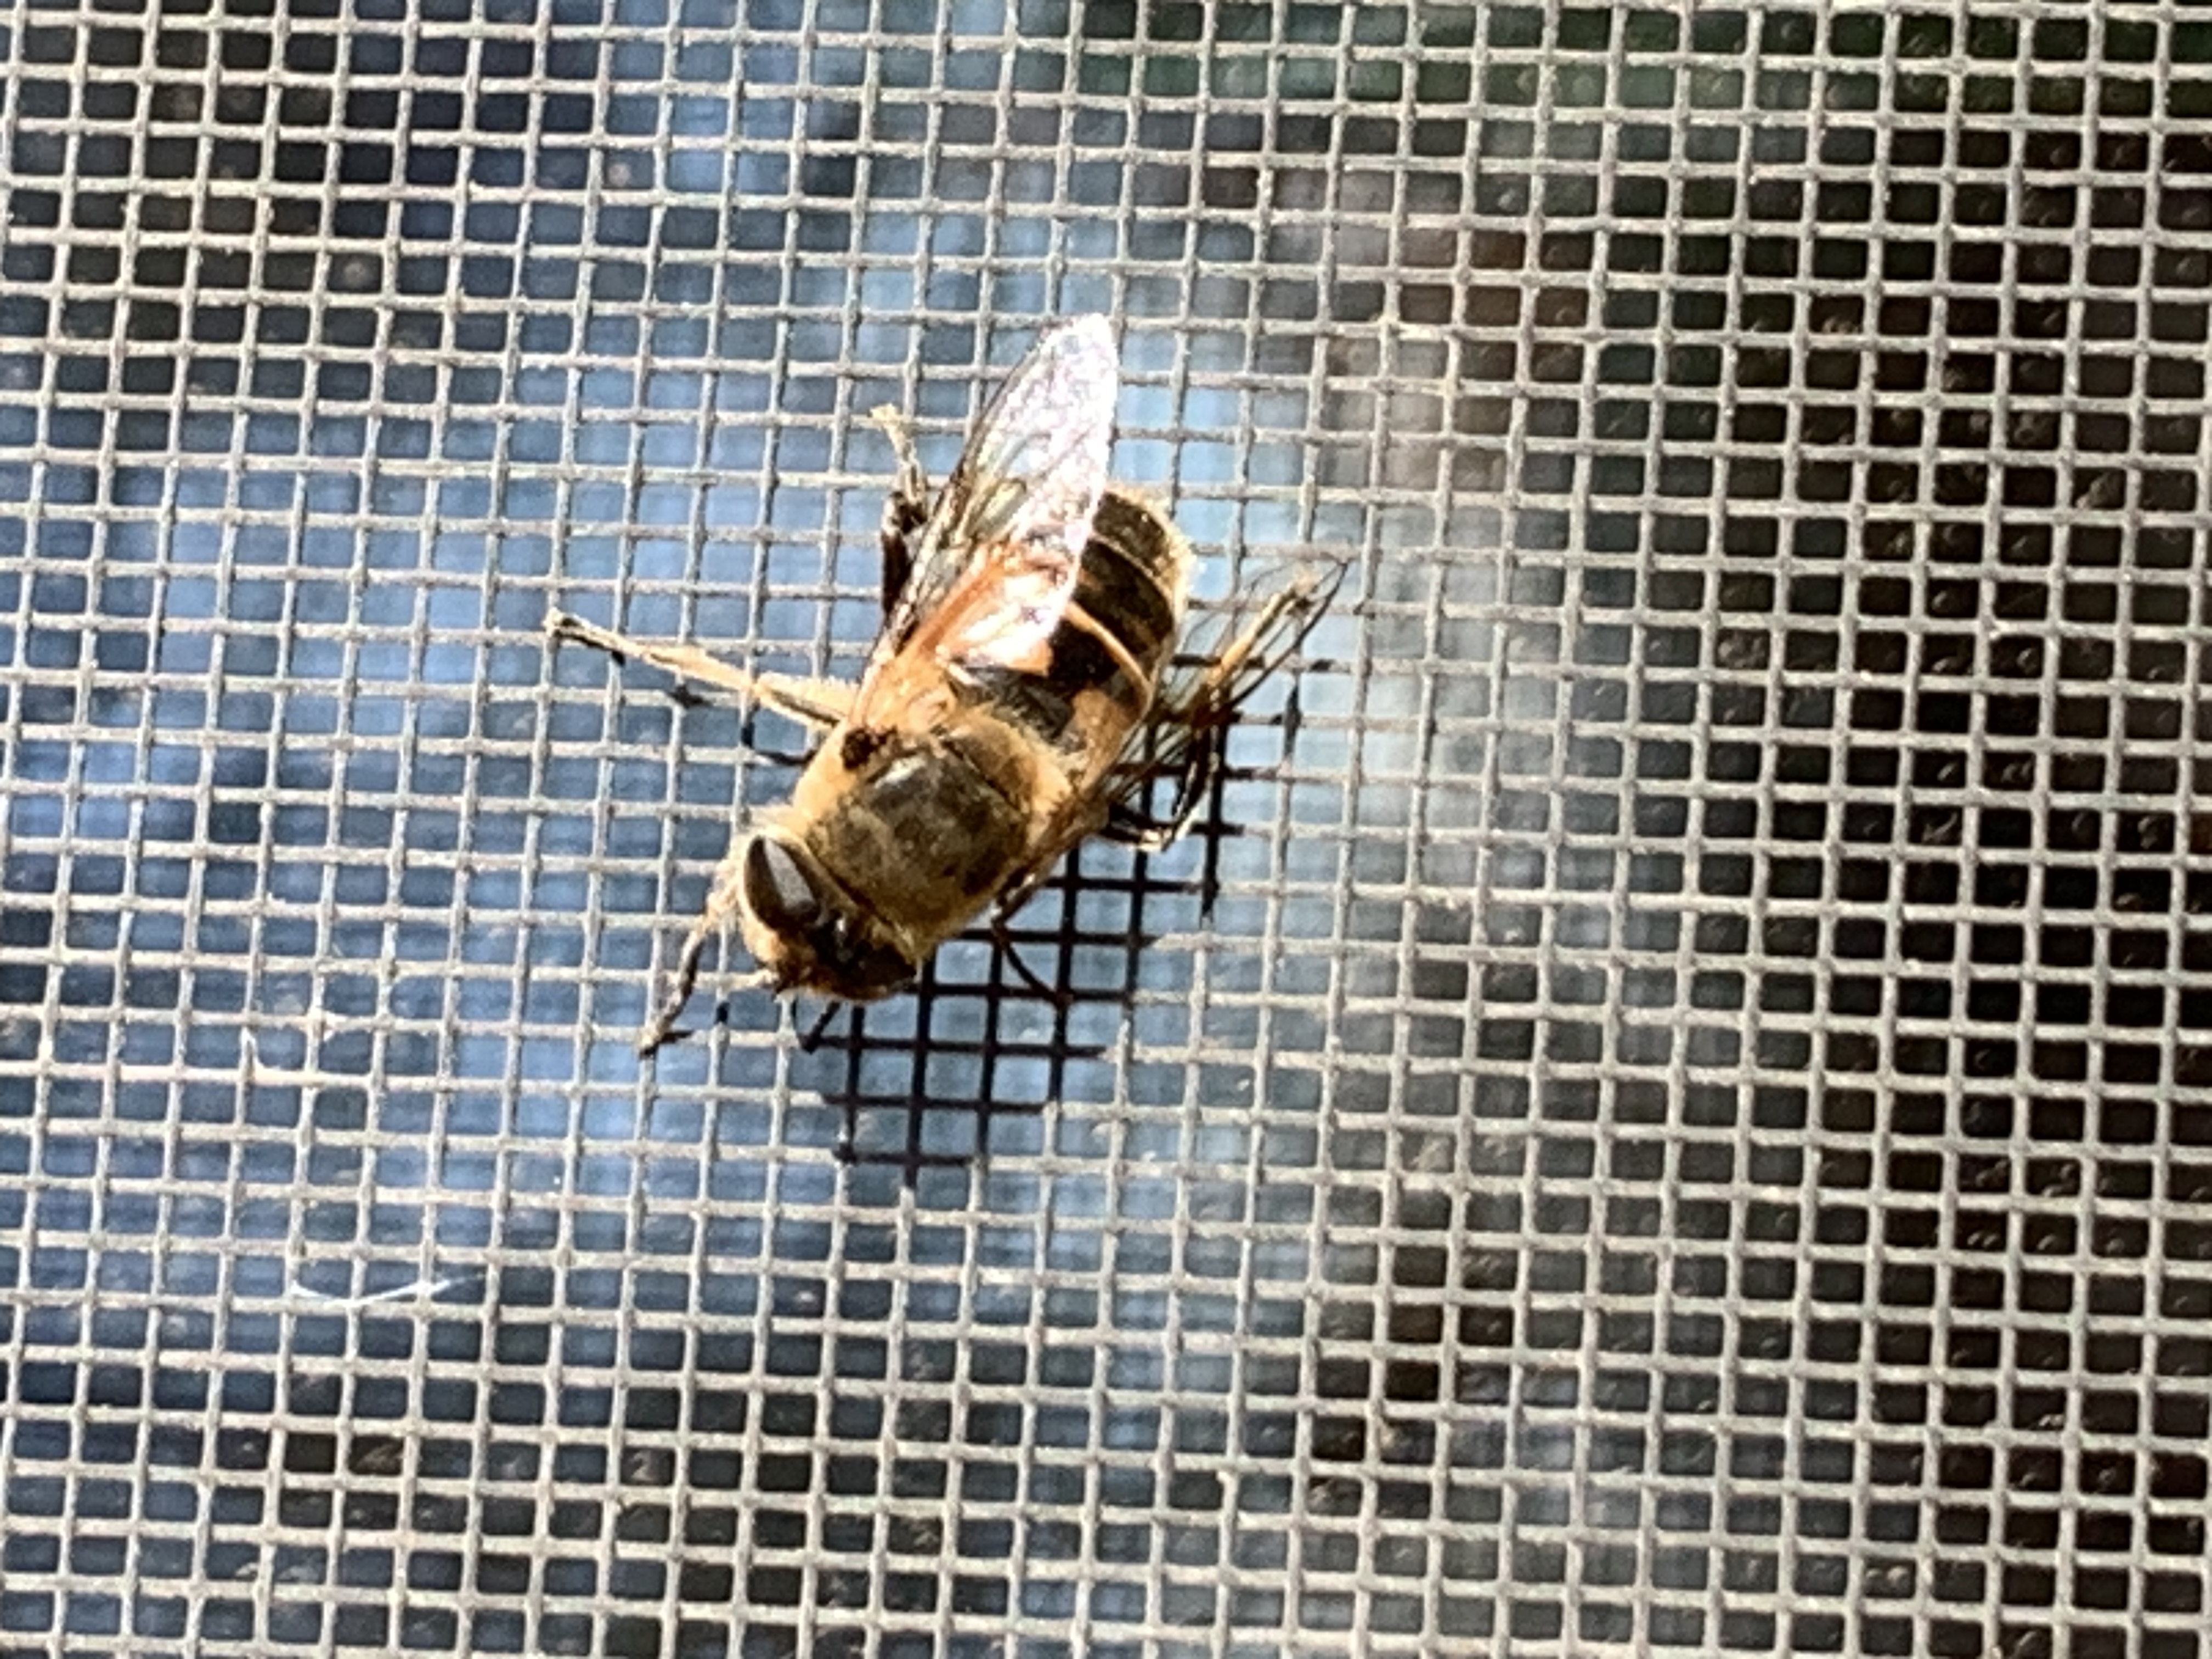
922	827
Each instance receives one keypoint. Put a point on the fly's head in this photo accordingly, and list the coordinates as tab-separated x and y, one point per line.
809	934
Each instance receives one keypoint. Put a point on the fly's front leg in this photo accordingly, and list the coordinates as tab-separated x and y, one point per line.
908	507
815	703
686	662
721	909
812	1038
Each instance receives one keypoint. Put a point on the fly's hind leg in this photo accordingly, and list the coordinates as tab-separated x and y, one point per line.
1193	773
684	661
816	703
721	908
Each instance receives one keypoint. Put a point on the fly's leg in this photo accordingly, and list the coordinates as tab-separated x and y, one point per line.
1194	774
910	494
721	909
1002	939
662	1026
1018	892
908	507
816	703
813	1039
684	661
1194	771
1204	717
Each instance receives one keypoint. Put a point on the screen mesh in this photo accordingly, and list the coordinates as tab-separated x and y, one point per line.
1664	1112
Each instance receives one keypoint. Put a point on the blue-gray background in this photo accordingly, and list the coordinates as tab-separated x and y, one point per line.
1682	1129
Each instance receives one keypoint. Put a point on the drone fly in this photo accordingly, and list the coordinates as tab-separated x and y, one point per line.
1023	694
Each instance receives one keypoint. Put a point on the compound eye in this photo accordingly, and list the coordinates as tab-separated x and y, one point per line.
777	890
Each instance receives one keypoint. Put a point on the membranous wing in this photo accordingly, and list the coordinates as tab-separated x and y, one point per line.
1229	655
995	563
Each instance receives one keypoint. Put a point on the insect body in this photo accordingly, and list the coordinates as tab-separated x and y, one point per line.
1018	699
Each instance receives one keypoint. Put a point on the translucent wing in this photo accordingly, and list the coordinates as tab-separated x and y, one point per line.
1234	653
994	564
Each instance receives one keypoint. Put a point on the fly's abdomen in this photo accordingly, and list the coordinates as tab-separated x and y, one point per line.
1108	653
1134	581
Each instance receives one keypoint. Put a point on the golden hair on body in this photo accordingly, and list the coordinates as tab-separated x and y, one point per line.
1018	699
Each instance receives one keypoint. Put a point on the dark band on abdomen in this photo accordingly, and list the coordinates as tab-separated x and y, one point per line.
1127	579
1124	590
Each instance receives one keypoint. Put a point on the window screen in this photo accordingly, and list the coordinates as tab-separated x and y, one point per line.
1662	1109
